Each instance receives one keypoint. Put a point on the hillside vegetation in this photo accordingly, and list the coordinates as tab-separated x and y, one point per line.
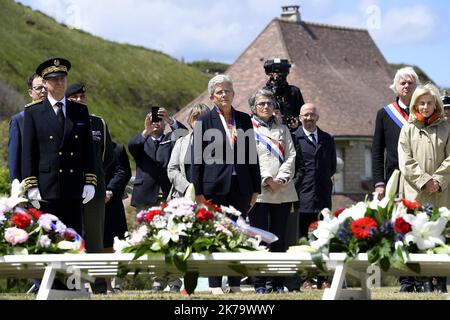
122	79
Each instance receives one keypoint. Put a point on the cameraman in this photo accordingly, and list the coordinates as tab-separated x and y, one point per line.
288	97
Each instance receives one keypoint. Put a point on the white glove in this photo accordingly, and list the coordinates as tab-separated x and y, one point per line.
88	193
35	196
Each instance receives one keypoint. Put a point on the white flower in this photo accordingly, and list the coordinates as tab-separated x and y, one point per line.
46	221
444	212
2	218
173	232
67	245
17	192
45	241
119	244
355	212
425	233
231	210
60	228
138	235
159	222
326	229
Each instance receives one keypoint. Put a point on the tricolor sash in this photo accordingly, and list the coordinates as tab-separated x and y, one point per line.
397	114
273	146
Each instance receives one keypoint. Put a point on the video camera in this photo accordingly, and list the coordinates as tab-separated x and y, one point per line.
278	85
280	66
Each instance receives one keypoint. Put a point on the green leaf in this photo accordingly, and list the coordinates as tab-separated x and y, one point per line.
122	271
318	260
415	267
190	281
179	262
188	252
384	263
239	268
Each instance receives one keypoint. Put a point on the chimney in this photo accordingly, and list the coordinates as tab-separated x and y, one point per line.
291	14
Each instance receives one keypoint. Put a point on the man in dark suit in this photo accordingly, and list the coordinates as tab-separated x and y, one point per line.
315	187
58	161
37	91
390	119
151	151
225	168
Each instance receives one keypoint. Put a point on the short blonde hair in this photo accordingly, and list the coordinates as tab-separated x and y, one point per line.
196	111
402	73
420	91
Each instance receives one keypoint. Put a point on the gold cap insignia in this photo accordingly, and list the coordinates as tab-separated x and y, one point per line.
56	62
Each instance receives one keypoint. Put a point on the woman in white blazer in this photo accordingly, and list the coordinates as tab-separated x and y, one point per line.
276	154
180	157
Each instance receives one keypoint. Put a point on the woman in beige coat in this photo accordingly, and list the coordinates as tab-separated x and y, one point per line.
424	157
424	150
276	154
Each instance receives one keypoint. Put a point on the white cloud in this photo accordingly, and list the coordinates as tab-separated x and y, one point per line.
406	25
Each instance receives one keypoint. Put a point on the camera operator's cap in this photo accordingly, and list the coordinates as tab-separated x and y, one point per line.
446	101
53	68
75	88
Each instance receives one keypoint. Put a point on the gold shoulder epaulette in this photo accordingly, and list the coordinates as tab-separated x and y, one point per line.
96	116
33	103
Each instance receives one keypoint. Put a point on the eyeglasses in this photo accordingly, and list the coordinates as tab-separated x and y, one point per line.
308	115
265	103
39	88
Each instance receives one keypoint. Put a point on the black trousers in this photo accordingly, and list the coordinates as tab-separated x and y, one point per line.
271	217
240	202
68	211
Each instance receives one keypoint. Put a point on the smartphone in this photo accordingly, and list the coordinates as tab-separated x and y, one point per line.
155	117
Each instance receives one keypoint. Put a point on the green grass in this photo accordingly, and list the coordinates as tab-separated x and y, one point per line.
385	293
121	79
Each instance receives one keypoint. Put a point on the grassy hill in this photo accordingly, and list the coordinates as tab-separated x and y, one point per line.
121	79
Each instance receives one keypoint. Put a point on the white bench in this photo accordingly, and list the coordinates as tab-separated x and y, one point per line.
82	268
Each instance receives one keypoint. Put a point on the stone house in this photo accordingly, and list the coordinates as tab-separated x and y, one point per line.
340	70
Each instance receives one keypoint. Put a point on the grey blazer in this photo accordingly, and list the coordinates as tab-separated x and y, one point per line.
176	170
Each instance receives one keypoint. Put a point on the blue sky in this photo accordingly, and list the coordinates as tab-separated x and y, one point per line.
412	32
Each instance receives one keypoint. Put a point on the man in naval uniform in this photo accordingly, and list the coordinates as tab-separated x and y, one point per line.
58	159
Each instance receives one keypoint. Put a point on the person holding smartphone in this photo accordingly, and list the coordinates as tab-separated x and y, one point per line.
151	150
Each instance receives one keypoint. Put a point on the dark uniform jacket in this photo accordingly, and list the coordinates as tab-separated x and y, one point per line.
118	175
151	168
315	187
59	162
385	138
103	152
215	178
15	146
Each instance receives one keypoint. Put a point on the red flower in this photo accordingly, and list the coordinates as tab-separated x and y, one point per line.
212	205
35	213
361	228
411	205
204	215
70	234
164	205
21	221
313	226
401	226
148	217
338	212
